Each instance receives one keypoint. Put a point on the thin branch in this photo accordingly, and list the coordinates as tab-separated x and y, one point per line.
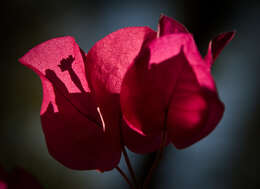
157	160
130	168
125	177
128	163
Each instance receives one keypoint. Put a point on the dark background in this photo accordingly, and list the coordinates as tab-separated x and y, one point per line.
226	159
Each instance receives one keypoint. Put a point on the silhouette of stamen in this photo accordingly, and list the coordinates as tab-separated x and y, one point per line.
66	65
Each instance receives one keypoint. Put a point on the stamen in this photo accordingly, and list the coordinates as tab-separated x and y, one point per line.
102	120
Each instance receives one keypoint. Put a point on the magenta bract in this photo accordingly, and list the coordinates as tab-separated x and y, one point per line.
169	86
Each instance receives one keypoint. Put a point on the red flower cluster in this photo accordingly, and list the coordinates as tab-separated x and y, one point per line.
18	179
130	87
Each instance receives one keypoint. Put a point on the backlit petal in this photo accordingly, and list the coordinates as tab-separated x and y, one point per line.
106	65
70	120
170	85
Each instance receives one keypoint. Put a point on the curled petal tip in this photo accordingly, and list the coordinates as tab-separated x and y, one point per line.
168	25
217	45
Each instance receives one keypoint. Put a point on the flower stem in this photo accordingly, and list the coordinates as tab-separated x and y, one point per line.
125	177
128	163
157	160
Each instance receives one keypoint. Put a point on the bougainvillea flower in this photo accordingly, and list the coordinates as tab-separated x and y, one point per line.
124	91
17	179
169	86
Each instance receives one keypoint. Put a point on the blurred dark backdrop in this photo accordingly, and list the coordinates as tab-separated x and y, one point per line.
226	159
